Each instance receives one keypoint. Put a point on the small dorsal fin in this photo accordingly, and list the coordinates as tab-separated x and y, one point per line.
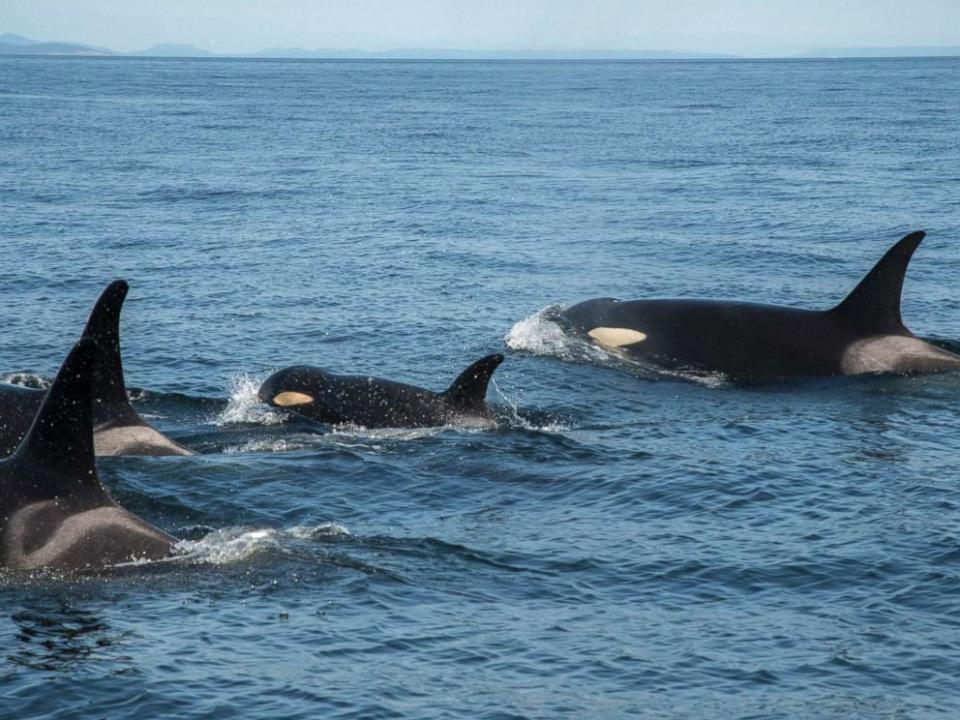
470	388
109	389
874	304
60	440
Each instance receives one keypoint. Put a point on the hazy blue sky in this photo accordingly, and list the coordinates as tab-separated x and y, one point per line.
762	27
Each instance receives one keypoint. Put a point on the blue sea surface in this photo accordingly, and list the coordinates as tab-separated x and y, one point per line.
624	544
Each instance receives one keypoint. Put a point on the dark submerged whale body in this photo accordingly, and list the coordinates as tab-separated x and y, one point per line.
54	512
377	403
751	342
118	428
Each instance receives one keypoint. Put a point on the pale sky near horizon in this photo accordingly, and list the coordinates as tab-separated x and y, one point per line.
743	27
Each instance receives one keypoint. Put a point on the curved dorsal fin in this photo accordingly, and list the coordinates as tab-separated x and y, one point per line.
60	440
470	388
109	389
874	304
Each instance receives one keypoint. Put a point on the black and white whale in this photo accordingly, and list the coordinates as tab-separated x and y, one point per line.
752	342
376	403
54	512
118	428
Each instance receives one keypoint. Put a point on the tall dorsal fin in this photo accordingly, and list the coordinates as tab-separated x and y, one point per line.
470	388
109	389
61	437
874	304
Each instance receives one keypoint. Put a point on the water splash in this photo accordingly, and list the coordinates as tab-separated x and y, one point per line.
244	406
540	334
510	415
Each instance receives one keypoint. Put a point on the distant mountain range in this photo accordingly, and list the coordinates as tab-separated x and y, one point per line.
11	44
18	45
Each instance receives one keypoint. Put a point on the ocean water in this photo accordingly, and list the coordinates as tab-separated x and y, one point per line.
624	544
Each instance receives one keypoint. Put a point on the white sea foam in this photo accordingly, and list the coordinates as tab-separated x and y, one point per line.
244	406
708	379
236	544
268	445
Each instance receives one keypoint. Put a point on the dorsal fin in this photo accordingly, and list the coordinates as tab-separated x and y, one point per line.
470	388
60	440
874	304
109	389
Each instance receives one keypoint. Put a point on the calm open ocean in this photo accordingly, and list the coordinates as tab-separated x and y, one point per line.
624	544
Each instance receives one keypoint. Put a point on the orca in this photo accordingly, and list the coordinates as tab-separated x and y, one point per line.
54	511
377	403
751	342
118	428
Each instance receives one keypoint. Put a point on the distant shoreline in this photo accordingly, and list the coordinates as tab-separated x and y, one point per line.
18	46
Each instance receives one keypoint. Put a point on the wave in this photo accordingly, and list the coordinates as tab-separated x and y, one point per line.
237	544
176	194
345	437
267	445
358	432
134	394
25	379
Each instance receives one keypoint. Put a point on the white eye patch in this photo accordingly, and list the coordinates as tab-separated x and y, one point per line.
616	337
286	399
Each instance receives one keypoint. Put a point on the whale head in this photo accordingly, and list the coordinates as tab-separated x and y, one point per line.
295	387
